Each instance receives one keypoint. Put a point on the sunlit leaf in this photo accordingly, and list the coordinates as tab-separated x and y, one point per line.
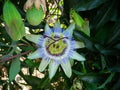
14	69
13	21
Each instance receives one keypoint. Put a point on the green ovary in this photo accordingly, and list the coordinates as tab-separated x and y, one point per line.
56	47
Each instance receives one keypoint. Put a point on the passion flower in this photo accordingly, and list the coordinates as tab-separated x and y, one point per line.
56	47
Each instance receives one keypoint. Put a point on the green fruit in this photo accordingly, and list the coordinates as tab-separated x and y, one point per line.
14	24
34	16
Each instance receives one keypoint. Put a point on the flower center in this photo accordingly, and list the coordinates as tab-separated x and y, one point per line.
56	45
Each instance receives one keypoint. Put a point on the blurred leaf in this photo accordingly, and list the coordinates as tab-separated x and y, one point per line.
29	47
96	65
89	43
91	78
103	62
104	14
106	51
44	82
116	85
37	83
115	69
2	44
32	80
84	5
31	64
107	81
91	86
117	46
110	52
8	86
114	34
77	72
104	33
14	69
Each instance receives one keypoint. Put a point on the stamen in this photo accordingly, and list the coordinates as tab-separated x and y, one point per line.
56	41
56	45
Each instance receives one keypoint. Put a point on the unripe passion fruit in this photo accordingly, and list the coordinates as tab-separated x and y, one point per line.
34	16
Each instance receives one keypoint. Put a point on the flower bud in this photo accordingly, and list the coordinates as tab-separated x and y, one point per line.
14	24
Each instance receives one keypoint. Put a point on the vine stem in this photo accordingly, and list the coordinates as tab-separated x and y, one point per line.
83	65
14	56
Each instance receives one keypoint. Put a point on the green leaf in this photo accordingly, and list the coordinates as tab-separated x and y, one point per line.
115	69
83	5
86	28
77	72
91	77
89	42
114	34
104	33
44	82
14	69
77	18
35	82
31	64
14	24
103	62
82	24
32	80
90	86
106	51
107	81
104	15
117	46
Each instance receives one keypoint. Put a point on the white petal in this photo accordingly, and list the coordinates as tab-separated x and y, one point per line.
69	31
48	30
33	38
43	65
79	45
67	68
36	54
53	66
77	56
